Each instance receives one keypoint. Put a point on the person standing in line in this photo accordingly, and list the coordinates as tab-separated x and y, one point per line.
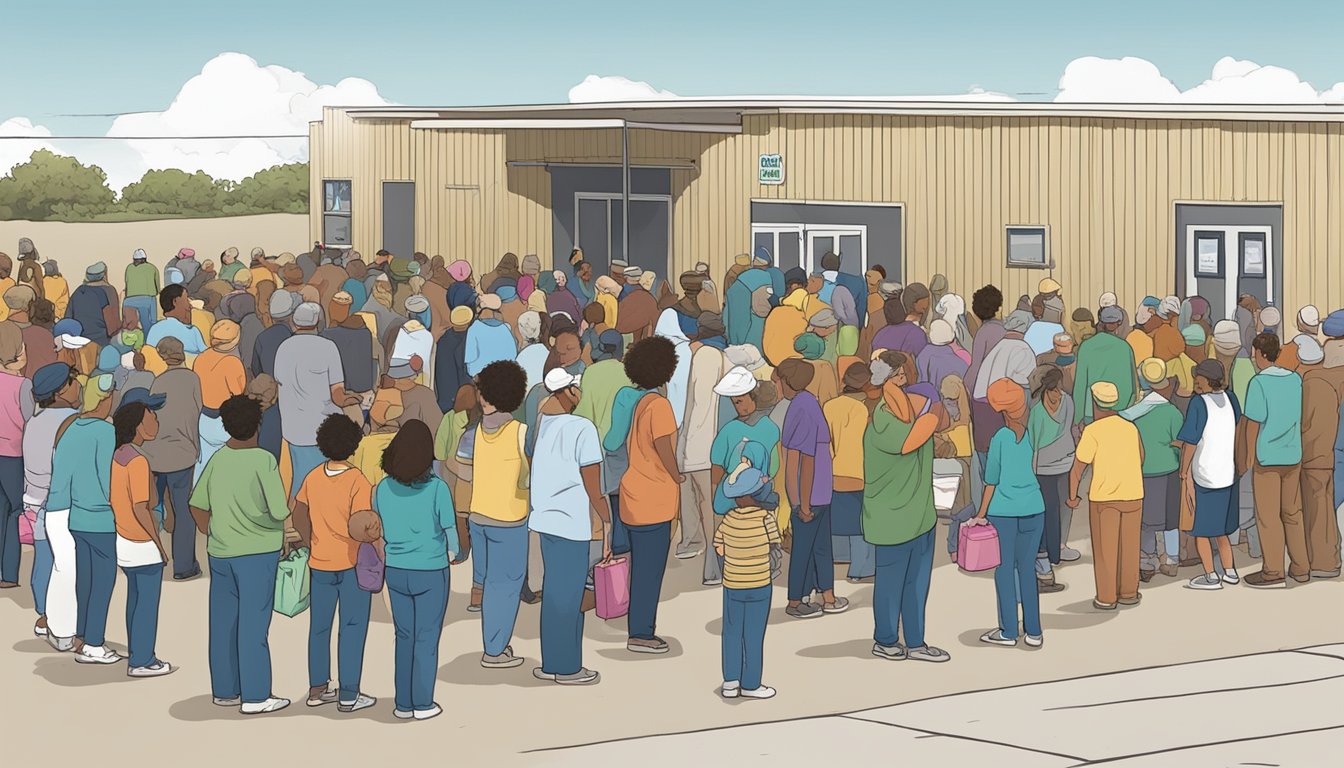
280	307
176	322
1106	357
808	477
1322	396
1159	424
650	489
16	392
239	505
221	376
1050	429
354	343
312	387
420	536
570	514
699	425
142	289
1114	450
327	500
173	453
96	306
1013	499
57	394
846	420
1209	485
745	541
139	551
1273	412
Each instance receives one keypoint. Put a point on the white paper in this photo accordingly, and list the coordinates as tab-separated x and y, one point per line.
1206	262
1254	257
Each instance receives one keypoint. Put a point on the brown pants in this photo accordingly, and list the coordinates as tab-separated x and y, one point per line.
1318	511
697	499
1117	528
1278	515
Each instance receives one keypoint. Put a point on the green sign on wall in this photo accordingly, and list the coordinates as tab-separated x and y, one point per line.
771	169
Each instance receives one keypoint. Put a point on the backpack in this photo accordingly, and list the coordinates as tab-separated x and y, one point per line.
616	456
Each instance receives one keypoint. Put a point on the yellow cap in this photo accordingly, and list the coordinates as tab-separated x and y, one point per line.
1153	371
1105	394
1050	285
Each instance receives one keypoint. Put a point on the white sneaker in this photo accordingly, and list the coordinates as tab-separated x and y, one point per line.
1035	641
361	702
231	701
403	714
1068	554
731	689
39	630
97	654
61	644
1230	576
428	714
158	669
273	704
764	692
1205	581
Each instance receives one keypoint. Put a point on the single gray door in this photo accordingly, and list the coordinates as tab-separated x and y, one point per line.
650	239
399	217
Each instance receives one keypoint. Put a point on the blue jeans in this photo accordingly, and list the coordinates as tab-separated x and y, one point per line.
41	576
147	307
648	563
1019	541
175	487
858	553
901	590
499	560
744	616
562	584
329	590
620	537
242	596
811	565
419	601
11	506
144	584
95	576
302	460
954	527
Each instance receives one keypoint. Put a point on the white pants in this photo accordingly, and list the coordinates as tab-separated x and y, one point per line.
62	608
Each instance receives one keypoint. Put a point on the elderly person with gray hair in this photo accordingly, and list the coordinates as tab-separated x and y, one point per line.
532	358
1012	358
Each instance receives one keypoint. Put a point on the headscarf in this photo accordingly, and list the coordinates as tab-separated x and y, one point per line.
760	301
1007	397
459	270
669	327
810	346
1246	324
96	390
1227	337
548	281
224	335
952	308
937	289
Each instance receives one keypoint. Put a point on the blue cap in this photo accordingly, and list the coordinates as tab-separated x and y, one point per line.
109	359
67	327
142	395
762	256
1151	301
746	482
49	379
610	346
506	293
1333	326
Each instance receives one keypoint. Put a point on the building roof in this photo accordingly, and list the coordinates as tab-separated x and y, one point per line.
726	112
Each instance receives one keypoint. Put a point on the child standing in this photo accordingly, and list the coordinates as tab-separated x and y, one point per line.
744	540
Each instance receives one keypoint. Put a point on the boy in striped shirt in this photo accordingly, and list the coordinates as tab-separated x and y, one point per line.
744	541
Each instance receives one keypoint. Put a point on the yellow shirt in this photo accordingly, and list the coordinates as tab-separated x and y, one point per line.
1117	469
1141	343
746	535
847	418
58	292
608	303
5	285
368	456
497	463
1183	370
203	321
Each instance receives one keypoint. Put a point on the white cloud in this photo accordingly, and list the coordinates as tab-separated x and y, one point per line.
1232	81
615	88
1092	79
13	152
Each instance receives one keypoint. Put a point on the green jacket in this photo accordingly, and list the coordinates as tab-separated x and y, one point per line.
898	488
1104	357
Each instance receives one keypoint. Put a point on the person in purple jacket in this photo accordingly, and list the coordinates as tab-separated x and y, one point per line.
906	334
938	360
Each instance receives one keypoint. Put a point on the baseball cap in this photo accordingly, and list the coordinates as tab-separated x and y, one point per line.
142	395
558	379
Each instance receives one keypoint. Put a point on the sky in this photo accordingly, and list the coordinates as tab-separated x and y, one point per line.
72	66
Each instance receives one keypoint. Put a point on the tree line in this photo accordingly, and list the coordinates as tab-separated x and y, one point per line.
51	187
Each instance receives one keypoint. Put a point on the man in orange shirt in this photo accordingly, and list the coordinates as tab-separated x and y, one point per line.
222	376
650	489
1168	343
330	495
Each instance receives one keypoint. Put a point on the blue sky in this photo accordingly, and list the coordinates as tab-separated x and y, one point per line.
134	55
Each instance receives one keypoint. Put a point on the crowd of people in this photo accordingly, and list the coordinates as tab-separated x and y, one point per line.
540	424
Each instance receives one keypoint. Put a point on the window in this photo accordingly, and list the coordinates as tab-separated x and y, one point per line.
1028	246
336	213
1209	254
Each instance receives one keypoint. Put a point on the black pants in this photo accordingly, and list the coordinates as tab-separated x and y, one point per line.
1055	489
175	487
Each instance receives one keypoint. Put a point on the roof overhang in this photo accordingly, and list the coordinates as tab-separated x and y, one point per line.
473	124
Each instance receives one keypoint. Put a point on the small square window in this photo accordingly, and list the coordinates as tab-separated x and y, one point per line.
336	197
1028	246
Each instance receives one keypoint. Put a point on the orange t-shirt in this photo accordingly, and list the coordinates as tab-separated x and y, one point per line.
332	499
649	495
130	486
222	376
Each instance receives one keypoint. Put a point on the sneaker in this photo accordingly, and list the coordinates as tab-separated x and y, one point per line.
323	696
1301	579
584	676
97	654
40	627
804	611
861	579
473	608
1325	574
474	602
996	637
764	692
189	575
226	701
403	714
689	554
646	645
1205	581
1146	576
1167	569
1047	585
1231	577
890	652
9	585
711	582
1258	580
360	702
730	689
1069	554
928	653
61	644
1100	606
428	714
157	669
1035	641
839	606
273	704
505	660
1135	600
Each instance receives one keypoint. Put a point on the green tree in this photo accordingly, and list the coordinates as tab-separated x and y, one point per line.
278	189
53	186
172	191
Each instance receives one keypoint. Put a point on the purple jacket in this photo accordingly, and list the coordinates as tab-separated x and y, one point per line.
937	362
904	336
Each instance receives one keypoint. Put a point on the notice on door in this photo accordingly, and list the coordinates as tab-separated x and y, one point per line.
1253	258
1206	257
771	169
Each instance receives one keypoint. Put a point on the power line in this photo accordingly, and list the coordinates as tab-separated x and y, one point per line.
154	138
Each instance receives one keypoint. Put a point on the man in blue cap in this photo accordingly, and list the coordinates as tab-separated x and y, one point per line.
96	306
737	314
56	392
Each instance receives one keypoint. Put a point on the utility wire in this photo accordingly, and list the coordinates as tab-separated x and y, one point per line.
154	138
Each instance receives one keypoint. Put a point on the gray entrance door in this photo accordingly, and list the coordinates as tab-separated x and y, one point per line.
399	217
1225	251
600	231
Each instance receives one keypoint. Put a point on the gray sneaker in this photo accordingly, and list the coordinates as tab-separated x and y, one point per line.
360	702
839	606
804	611
929	653
890	652
62	644
996	637
1068	554
505	660
157	669
1205	581
584	676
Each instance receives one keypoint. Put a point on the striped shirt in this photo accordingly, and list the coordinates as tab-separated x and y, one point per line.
746	535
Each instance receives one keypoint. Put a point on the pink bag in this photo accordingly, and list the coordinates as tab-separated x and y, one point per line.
27	519
977	547
612	584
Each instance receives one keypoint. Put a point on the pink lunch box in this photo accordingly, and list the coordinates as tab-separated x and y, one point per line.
977	547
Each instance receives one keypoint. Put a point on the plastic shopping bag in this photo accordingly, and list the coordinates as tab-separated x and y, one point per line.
611	581
292	583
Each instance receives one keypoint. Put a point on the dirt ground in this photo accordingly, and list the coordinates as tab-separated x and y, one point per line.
820	667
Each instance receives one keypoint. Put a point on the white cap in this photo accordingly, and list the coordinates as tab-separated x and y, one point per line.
559	379
1143	314
139	255
306	315
1270	317
736	382
745	355
1169	306
1309	316
71	342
